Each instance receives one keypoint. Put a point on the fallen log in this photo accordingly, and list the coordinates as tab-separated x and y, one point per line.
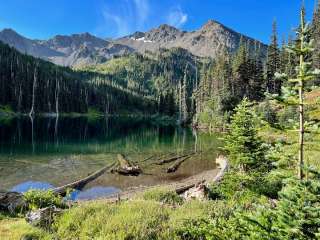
177	164
44	217
147	159
126	168
199	192
172	159
12	202
82	182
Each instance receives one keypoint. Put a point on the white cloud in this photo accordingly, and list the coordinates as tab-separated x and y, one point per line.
126	17
177	17
143	11
123	17
121	24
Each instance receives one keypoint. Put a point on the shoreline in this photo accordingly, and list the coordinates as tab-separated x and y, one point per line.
206	178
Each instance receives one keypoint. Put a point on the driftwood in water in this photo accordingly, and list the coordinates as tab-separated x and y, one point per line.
174	167
148	158
126	168
81	183
172	159
13	202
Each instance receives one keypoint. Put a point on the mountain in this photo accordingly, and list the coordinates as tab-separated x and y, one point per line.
77	49
208	41
86	49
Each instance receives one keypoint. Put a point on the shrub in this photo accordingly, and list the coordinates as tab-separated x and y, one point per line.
296	215
163	195
37	199
127	220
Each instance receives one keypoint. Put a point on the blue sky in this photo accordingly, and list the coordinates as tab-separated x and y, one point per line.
43	19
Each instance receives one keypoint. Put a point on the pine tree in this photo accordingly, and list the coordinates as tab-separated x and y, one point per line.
273	62
304	73
296	215
184	96
243	145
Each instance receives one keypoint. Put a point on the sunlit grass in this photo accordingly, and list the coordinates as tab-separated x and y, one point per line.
18	228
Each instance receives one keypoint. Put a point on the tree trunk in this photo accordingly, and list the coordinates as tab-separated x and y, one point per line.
301	132
34	86
57	92
301	107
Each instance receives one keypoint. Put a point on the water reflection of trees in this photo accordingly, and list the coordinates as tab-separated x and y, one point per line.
57	132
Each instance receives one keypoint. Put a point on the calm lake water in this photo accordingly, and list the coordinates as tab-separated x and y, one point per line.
47	152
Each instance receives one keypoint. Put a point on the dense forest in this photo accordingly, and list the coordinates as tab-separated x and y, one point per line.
30	85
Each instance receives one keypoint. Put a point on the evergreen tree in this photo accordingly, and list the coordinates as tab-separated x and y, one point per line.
304	73
184	96
242	143
273	62
296	215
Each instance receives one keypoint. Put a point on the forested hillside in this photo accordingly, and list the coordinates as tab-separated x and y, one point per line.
31	85
185	85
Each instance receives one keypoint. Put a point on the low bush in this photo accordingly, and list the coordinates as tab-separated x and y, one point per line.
128	220
163	195
37	199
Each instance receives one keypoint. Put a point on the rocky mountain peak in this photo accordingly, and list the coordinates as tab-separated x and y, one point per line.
8	31
85	48
164	33
214	26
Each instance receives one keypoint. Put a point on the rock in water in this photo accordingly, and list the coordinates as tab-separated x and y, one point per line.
44	217
12	202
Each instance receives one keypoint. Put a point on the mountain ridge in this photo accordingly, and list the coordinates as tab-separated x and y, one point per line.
86	49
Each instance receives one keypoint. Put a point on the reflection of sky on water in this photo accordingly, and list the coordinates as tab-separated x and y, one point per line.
93	193
87	194
26	186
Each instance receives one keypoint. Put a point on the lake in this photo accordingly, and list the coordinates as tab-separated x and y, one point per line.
44	152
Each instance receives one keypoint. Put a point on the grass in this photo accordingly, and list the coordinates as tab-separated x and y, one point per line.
291	138
127	220
162	195
156	214
18	228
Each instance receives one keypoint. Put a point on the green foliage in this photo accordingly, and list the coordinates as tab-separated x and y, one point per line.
267	112
212	116
273	63
242	143
127	220
7	109
37	199
296	215
18	228
163	195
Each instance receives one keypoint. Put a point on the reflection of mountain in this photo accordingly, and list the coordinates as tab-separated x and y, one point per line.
74	135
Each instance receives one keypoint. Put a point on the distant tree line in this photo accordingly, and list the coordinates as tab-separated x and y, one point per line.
31	85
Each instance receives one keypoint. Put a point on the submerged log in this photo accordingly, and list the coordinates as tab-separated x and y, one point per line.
172	159
126	168
177	164
82	182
